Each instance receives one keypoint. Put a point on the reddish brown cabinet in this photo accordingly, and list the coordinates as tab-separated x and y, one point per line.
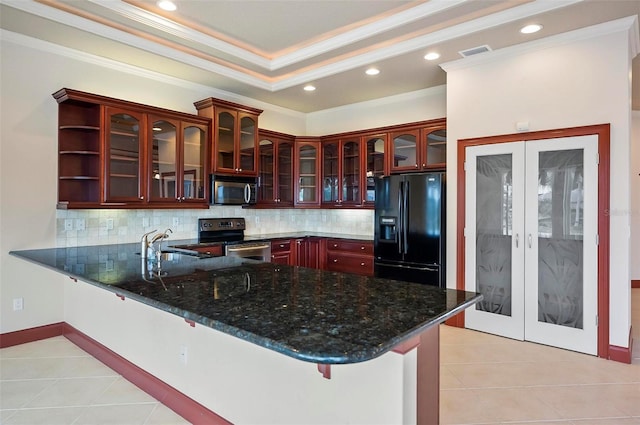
235	136
307	172
275	169
119	154
282	252
350	256
342	164
418	148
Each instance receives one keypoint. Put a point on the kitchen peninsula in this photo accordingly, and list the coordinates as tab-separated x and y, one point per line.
258	334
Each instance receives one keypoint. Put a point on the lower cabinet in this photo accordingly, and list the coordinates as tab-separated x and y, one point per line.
281	252
340	255
350	256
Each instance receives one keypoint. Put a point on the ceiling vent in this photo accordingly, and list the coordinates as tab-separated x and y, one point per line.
474	51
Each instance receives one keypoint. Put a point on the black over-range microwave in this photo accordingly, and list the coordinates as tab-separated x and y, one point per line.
233	190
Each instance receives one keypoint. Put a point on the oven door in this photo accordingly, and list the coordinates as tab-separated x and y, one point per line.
254	250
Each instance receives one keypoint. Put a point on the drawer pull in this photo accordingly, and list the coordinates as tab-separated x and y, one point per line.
362	264
335	261
362	247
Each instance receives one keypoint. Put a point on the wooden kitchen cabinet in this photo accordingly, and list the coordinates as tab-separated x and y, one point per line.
309	252
350	256
119	154
375	165
275	169
342	172
418	148
307	172
283	252
235	136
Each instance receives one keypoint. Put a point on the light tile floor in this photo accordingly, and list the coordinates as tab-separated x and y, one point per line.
485	379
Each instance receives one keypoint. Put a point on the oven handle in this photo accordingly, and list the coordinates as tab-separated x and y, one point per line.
231	248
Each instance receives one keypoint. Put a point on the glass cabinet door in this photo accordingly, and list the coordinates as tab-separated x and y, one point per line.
375	165
436	141
164	165
247	145
124	149
307	174
266	163
351	172
194	142
404	151
330	177
285	172
225	149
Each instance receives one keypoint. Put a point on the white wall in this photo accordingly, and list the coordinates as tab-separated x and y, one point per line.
635	195
569	80
409	107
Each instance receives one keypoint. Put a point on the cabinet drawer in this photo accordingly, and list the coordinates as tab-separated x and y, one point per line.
351	246
358	264
280	246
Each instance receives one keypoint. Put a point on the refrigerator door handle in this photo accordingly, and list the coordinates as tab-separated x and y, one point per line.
405	218
399	232
400	266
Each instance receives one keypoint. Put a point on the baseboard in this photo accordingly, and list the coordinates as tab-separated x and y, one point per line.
635	283
622	354
186	407
10	339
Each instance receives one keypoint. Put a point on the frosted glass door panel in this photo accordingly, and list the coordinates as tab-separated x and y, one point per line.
561	262
494	219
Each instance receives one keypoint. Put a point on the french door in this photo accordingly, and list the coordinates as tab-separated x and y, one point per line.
531	240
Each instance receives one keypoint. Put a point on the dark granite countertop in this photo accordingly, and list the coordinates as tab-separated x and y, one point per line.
311	315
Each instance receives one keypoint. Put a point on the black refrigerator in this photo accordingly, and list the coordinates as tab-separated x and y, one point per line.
410	213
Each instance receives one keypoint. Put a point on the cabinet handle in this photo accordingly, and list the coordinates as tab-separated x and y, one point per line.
416	165
530	240
424	165
362	264
281	245
335	261
517	239
335	245
362	247
142	198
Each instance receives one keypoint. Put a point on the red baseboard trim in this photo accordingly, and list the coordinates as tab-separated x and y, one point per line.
622	354
635	283
10	339
186	407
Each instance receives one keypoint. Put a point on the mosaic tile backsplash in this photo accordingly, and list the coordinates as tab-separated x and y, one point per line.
98	227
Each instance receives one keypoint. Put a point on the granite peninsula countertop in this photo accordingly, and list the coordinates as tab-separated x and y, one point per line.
312	315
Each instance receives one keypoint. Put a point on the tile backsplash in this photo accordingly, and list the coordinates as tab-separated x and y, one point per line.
97	227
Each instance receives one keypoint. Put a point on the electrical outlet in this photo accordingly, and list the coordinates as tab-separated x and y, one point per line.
109	224
68	224
183	354
18	304
80	224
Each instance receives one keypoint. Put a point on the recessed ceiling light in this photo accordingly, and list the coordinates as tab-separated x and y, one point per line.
309	87
372	71
432	56
530	29
167	5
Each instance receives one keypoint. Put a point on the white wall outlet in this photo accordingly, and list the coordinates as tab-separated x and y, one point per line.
18	304
176	221
183	354
109	224
80	224
68	224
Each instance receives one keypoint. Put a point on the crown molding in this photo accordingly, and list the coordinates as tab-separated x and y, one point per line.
207	91
629	24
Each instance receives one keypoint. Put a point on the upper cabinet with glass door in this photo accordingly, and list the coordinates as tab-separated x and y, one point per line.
341	172
235	136
307	172
419	148
178	157
275	169
376	164
120	154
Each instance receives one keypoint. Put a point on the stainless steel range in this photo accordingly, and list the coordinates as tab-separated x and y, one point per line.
230	231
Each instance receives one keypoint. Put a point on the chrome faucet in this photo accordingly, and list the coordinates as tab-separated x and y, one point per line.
159	237
144	244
